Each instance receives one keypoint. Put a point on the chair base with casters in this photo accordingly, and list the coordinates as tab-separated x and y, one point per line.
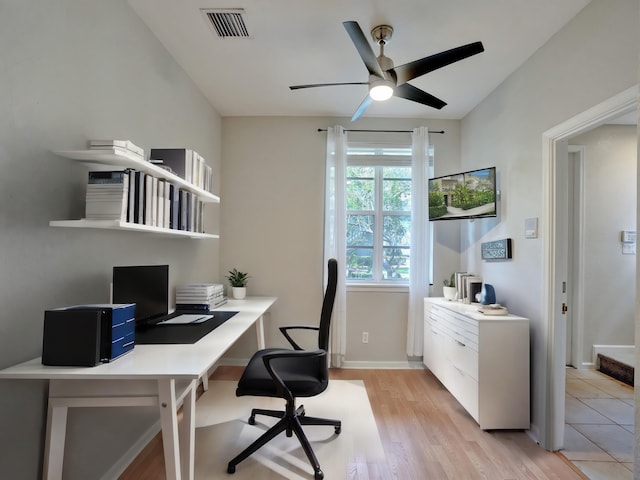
291	421
291	374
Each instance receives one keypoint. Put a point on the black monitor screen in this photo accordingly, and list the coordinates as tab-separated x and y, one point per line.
147	286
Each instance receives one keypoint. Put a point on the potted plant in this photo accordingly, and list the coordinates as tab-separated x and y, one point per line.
449	290
238	282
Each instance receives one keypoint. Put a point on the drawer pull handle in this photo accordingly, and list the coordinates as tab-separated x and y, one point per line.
461	372
434	332
460	343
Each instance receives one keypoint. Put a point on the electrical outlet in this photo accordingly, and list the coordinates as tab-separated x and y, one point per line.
365	337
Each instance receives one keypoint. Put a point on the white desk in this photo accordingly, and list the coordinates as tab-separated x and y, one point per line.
165	376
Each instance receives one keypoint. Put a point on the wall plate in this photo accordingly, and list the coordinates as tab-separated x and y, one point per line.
531	227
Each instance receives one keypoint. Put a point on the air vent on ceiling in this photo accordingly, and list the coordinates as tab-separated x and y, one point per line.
228	22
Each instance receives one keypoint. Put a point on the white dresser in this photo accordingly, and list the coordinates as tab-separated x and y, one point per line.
482	360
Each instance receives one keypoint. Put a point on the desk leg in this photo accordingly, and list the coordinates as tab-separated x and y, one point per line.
260	332
54	442
187	432
169	421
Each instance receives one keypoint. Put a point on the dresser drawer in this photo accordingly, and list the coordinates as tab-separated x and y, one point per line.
464	388
464	358
464	332
456	353
434	349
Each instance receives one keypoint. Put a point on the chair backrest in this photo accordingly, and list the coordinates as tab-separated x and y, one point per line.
327	304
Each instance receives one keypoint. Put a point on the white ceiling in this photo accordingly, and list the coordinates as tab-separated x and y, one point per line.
303	41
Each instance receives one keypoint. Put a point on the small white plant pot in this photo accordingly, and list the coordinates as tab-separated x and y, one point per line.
239	292
449	293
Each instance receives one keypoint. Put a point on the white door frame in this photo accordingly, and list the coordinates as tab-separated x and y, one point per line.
553	326
575	275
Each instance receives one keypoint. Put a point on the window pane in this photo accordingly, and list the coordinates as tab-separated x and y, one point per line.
360	230
360	188
360	195
397	195
397	231
397	172
360	172
395	264
396	186
360	263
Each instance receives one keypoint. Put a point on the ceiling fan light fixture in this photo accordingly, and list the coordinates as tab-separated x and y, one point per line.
381	90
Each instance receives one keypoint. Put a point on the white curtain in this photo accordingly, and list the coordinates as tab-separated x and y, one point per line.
419	276
335	235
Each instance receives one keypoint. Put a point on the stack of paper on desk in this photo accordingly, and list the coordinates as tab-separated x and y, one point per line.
199	296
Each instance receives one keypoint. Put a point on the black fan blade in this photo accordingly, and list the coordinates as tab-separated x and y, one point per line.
409	92
414	69
363	106
314	85
364	49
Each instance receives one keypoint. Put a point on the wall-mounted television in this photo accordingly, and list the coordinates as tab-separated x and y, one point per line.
463	195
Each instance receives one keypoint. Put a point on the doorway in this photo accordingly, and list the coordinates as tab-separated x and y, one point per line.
555	268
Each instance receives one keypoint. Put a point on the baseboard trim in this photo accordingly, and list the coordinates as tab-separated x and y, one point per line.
534	434
410	364
370	365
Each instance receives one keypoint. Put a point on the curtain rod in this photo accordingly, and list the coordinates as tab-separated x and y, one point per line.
383	131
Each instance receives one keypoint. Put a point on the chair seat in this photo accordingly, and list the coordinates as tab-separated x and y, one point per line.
301	380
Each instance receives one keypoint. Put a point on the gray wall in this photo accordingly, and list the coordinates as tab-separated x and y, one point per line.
590	60
610	153
72	71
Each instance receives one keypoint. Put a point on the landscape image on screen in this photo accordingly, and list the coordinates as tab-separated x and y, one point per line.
463	195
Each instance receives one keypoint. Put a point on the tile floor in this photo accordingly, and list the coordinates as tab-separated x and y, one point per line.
599	425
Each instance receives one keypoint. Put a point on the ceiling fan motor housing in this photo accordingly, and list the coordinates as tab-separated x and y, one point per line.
382	34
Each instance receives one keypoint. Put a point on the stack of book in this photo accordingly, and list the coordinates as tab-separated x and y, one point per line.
159	203
200	296
186	163
107	195
123	147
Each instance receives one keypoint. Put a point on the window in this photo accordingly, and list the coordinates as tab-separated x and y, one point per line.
378	203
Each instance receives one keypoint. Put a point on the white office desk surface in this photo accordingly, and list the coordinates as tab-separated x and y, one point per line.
150	375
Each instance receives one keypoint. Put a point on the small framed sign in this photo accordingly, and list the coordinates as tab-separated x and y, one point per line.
496	250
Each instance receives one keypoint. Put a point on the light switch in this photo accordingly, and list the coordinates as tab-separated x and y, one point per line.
531	227
628	248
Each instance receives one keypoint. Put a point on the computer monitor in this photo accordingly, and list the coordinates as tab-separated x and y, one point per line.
145	285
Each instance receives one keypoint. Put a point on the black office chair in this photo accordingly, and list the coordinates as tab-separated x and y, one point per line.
288	374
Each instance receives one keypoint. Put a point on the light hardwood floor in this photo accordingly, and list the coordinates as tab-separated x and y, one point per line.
425	432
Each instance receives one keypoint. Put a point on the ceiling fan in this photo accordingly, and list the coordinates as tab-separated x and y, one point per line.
385	80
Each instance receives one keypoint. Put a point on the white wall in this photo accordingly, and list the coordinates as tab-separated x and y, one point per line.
272	219
69	72
609	207
590	60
